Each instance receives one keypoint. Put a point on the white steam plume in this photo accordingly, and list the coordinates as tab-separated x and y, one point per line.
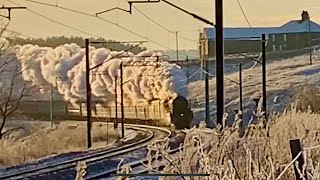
64	68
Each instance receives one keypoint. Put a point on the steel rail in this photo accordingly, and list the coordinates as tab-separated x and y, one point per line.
93	157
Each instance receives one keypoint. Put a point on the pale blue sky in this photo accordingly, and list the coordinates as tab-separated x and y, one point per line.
259	12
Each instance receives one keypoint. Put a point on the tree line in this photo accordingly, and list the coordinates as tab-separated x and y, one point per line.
55	41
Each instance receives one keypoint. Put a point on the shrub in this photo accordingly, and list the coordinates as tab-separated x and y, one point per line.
308	98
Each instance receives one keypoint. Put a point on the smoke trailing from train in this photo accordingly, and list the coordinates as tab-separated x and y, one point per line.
63	68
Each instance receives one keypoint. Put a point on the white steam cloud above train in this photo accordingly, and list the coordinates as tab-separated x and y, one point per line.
63	68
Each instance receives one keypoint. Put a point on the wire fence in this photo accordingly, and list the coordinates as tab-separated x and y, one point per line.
295	159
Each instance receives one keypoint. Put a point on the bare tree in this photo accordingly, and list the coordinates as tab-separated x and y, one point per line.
12	86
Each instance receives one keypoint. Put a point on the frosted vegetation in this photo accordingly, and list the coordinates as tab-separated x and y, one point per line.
29	141
263	151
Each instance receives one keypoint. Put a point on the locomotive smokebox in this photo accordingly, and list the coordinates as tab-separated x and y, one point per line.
181	115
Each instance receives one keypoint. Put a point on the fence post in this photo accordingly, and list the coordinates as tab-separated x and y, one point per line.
122	106
296	148
51	107
207	93
80	109
264	76
187	59
240	89
115	125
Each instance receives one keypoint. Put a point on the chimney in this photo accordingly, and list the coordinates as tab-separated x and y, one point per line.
304	16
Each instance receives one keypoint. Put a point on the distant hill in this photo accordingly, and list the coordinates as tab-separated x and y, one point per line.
55	41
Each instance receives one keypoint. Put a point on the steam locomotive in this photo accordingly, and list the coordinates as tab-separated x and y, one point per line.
176	112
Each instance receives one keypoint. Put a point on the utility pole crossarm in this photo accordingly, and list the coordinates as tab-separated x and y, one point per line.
130	7
115	8
9	11
175	6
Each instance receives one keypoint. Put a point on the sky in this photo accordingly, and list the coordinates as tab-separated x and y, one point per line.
261	13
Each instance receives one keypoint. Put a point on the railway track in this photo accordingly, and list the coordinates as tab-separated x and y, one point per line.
68	167
138	167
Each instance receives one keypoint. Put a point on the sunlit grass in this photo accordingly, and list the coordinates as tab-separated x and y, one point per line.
42	142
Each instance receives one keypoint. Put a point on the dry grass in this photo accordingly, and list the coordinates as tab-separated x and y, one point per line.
308	98
262	153
46	141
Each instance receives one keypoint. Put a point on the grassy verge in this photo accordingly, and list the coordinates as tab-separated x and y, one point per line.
262	153
25	145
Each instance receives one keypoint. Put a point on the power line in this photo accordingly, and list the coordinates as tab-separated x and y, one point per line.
243	13
5	29
100	18
57	22
188	39
132	32
152	20
163	27
189	30
60	7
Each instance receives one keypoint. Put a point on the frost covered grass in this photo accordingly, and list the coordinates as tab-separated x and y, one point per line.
37	141
262	153
283	78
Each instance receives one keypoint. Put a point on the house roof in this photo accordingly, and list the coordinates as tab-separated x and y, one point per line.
239	33
298	26
255	32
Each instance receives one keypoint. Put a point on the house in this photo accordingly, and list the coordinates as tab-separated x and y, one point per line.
294	35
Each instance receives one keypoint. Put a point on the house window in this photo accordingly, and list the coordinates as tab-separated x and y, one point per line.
273	37
280	47
274	47
285	37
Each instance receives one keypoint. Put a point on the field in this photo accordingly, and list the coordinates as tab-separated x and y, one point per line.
262	151
31	140
284	78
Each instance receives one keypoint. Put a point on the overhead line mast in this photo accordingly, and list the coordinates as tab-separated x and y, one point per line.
9	11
